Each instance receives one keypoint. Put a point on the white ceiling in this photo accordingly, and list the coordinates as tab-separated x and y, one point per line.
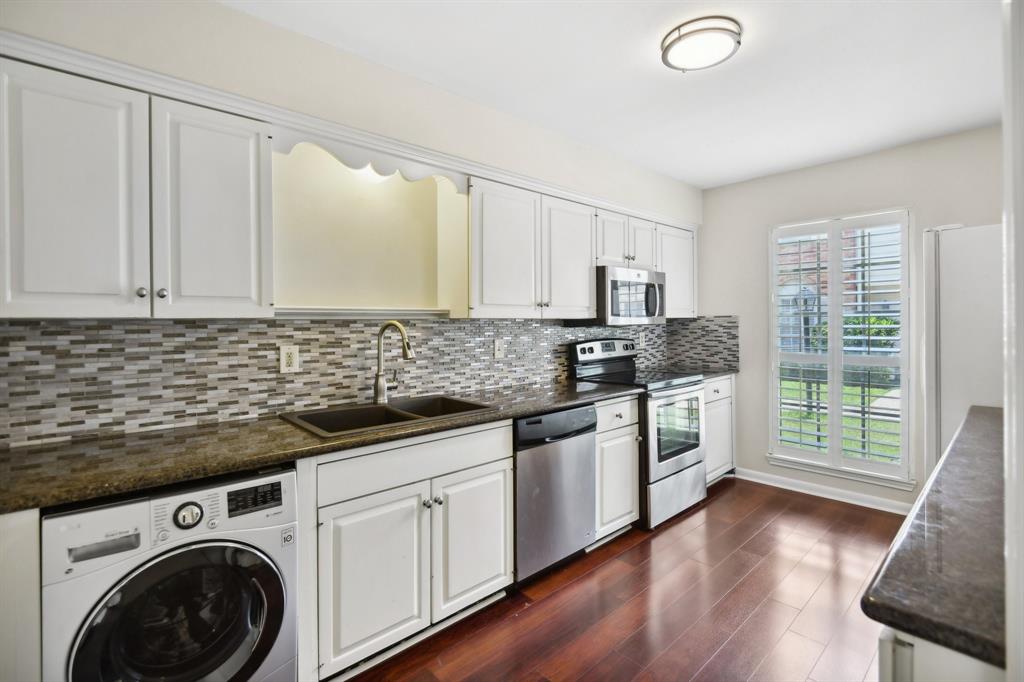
813	81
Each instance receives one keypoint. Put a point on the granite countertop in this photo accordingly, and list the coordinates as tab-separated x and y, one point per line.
944	577
97	466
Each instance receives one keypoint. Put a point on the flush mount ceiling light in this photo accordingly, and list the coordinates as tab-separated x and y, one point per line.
701	43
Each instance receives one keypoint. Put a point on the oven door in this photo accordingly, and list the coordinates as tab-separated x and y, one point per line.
675	431
630	296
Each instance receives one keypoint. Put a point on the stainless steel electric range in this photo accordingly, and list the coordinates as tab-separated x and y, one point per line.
672	471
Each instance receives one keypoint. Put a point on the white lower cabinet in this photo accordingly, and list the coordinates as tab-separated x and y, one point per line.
471	536
435	540
719	455
374	574
618	479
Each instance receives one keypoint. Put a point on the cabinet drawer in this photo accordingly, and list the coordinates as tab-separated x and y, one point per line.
350	478
615	413
718	389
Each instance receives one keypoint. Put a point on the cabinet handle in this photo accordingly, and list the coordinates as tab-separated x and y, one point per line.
428	504
142	292
618	415
161	293
715	390
438	500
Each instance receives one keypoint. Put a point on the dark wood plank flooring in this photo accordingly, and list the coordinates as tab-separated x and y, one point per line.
756	583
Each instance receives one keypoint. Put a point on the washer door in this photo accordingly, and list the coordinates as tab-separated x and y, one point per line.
208	611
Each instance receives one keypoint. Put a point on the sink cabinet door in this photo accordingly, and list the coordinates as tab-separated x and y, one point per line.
618	479
471	536
374	574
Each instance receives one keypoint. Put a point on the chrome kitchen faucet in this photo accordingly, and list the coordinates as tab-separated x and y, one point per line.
380	386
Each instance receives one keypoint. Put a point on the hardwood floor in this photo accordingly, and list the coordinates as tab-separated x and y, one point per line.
756	583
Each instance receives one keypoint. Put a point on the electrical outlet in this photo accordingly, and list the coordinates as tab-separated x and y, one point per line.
500	345
641	341
290	359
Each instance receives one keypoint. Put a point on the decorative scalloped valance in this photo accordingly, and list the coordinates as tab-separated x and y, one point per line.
355	156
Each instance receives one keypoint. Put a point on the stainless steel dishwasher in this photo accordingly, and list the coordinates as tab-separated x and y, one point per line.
555	480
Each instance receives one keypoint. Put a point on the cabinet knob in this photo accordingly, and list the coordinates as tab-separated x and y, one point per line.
639	439
428	504
161	293
438	500
142	292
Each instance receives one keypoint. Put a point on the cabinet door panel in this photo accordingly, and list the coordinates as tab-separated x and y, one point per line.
569	279
374	574
612	238
676	260
643	244
74	178
718	457
212	224
618	479
505	251
471	535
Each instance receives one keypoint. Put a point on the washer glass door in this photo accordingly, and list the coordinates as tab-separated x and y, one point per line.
207	611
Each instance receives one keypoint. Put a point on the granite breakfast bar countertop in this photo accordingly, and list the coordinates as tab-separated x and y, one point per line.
95	466
944	577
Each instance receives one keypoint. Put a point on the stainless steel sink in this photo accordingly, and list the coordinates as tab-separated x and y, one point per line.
334	421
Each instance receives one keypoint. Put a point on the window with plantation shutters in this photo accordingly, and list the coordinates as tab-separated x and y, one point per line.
839	313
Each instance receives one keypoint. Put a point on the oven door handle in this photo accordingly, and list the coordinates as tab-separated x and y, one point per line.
676	395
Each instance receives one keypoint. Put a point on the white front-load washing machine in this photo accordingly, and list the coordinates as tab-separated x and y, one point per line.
195	584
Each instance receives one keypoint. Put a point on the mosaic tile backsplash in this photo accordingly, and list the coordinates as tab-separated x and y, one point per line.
62	378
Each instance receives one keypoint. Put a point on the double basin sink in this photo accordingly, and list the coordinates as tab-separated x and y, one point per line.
346	419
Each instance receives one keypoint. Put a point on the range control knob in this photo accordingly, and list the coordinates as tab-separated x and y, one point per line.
188	515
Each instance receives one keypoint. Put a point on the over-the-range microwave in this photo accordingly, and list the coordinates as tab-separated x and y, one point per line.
630	296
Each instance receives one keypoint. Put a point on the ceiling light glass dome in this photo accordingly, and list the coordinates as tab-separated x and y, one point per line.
701	43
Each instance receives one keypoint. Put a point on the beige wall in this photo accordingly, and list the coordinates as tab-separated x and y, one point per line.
207	43
348	238
951	179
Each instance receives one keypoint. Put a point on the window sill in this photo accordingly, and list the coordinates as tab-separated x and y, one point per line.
862	476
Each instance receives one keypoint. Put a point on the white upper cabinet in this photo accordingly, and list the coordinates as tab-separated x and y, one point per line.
568	278
642	244
676	259
505	251
212	224
74	184
613	241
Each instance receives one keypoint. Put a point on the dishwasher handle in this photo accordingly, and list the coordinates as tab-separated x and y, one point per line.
572	434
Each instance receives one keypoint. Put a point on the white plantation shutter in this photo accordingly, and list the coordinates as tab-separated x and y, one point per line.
839	300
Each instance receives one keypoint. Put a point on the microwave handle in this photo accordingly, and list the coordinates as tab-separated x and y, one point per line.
657	299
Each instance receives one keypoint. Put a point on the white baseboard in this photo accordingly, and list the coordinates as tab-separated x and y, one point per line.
827	491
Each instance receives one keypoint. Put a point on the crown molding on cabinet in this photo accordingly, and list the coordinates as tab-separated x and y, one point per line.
343	141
